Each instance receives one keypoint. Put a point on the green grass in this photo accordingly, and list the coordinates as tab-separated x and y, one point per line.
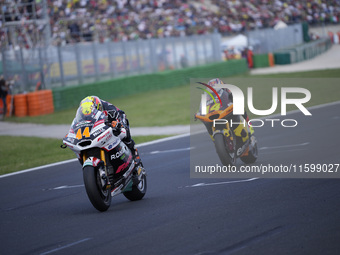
171	106
159	108
19	153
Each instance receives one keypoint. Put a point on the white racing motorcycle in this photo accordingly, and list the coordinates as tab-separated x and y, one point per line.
108	165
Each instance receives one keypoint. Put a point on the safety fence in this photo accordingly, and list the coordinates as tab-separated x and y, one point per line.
47	101
269	40
83	63
292	55
303	52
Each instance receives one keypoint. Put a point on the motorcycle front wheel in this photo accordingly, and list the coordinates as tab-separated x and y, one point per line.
227	157
99	197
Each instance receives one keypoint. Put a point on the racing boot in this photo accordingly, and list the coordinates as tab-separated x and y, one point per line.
134	151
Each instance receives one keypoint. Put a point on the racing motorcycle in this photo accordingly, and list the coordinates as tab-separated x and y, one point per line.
109	168
230	142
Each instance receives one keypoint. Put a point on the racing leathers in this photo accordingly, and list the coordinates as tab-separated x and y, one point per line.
118	119
227	99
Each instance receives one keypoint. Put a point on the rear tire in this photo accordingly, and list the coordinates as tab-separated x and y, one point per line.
100	199
138	191
227	158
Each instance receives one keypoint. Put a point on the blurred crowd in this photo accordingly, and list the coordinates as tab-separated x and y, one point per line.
121	20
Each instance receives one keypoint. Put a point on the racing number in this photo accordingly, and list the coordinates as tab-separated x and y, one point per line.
214	107
86	133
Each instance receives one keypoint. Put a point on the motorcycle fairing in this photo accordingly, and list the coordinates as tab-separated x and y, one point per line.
92	161
120	158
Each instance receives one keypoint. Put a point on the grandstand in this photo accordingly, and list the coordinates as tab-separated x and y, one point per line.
27	22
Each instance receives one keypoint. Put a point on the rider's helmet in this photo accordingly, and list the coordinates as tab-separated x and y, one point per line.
217	81
88	104
97	103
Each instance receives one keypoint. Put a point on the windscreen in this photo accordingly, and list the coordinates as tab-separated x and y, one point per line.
86	117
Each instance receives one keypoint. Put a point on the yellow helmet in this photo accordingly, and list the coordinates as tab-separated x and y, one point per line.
87	106
97	103
89	103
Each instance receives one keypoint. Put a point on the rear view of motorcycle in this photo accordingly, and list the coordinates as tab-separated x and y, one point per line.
109	167
230	133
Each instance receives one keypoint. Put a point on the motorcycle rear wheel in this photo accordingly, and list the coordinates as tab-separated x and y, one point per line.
227	158
138	191
100	198
252	153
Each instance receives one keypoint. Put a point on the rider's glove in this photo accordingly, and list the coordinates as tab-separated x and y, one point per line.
118	129
116	126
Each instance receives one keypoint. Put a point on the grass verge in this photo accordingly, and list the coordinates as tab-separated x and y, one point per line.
19	153
159	108
172	106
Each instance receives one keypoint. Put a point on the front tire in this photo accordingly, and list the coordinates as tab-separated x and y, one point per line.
227	157
100	198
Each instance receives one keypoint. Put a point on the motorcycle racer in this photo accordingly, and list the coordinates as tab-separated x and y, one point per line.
227	99
116	118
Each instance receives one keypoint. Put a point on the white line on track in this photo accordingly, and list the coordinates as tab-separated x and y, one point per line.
174	150
39	168
69	187
284	146
220	183
66	246
74	160
268	152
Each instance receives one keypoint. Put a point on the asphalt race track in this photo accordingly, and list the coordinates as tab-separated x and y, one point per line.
47	211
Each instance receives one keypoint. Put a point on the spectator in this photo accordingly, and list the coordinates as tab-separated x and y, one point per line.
184	61
120	20
3	94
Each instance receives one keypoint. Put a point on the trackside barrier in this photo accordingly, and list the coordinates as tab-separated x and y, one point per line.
260	60
40	102
33	104
263	60
68	97
20	105
271	59
303	52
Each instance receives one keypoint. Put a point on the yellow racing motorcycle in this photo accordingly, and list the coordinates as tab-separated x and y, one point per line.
231	134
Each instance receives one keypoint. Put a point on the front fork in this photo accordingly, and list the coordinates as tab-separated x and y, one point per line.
100	164
227	133
242	131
